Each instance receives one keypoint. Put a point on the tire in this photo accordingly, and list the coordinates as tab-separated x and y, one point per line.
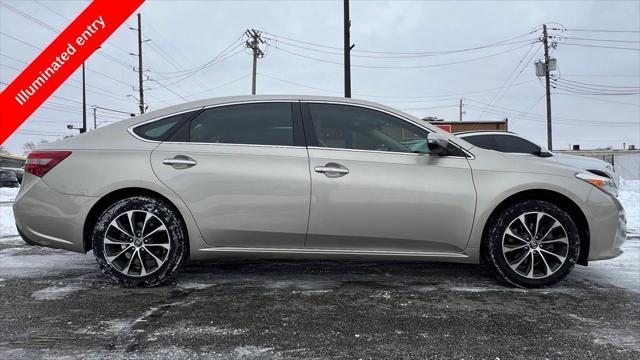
147	255
510	249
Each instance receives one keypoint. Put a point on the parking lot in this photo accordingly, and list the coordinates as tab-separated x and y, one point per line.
58	304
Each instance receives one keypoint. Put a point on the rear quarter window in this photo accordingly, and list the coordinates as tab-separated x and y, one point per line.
160	130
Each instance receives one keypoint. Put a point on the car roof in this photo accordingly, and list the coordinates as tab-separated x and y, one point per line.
257	98
485	132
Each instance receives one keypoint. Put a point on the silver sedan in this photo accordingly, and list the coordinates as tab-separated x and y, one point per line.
294	176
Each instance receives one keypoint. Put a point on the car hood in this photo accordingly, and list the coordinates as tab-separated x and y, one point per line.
580	162
498	161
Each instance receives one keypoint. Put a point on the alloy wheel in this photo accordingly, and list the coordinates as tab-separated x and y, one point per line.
535	245
136	243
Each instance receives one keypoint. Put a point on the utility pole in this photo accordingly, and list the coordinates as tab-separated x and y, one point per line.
253	42
84	103
347	50
461	110
140	64
545	41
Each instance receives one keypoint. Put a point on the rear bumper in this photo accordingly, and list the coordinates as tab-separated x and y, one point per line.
49	218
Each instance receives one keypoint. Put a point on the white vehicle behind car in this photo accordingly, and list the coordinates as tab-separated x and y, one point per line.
508	142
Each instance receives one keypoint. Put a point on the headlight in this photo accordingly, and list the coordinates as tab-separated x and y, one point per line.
602	183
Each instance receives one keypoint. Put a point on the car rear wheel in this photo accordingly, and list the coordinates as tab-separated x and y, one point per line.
532	243
139	241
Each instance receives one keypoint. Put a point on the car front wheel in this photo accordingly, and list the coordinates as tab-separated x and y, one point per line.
532	243
139	241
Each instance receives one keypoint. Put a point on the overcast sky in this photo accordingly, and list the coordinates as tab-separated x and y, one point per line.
387	35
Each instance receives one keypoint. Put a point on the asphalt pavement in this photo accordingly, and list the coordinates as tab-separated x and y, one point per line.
56	304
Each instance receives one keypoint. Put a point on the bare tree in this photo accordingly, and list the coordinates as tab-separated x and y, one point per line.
28	147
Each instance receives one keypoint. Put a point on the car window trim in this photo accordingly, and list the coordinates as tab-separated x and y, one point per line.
131	128
312	140
299	140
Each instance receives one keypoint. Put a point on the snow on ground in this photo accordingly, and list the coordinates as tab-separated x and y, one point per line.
38	261
56	292
629	196
623	271
7	223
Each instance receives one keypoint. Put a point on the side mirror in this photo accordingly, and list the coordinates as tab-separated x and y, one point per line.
437	143
542	153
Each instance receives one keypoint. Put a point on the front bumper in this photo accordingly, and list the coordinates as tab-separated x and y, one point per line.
49	218
607	225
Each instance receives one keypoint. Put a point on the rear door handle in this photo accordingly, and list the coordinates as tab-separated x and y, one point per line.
327	169
180	162
332	170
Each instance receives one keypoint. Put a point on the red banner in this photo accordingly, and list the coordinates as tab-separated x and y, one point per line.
59	60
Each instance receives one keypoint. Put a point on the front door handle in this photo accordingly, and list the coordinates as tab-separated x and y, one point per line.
332	170
180	162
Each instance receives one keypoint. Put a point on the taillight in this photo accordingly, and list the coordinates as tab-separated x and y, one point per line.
41	162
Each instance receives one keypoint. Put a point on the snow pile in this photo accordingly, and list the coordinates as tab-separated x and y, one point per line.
629	196
7	223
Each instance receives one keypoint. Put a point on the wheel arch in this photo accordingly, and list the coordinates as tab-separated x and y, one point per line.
114	196
555	198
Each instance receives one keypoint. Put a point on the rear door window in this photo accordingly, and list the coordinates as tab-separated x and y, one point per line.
257	124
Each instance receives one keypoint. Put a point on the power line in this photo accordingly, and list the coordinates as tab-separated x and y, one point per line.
602	30
56	31
542	117
400	66
91	70
167	88
602	40
166	55
235	44
559	84
591	98
184	77
601	46
41	49
605	75
500	94
395	56
556	120
453	95
430	107
422	53
107	93
597	85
